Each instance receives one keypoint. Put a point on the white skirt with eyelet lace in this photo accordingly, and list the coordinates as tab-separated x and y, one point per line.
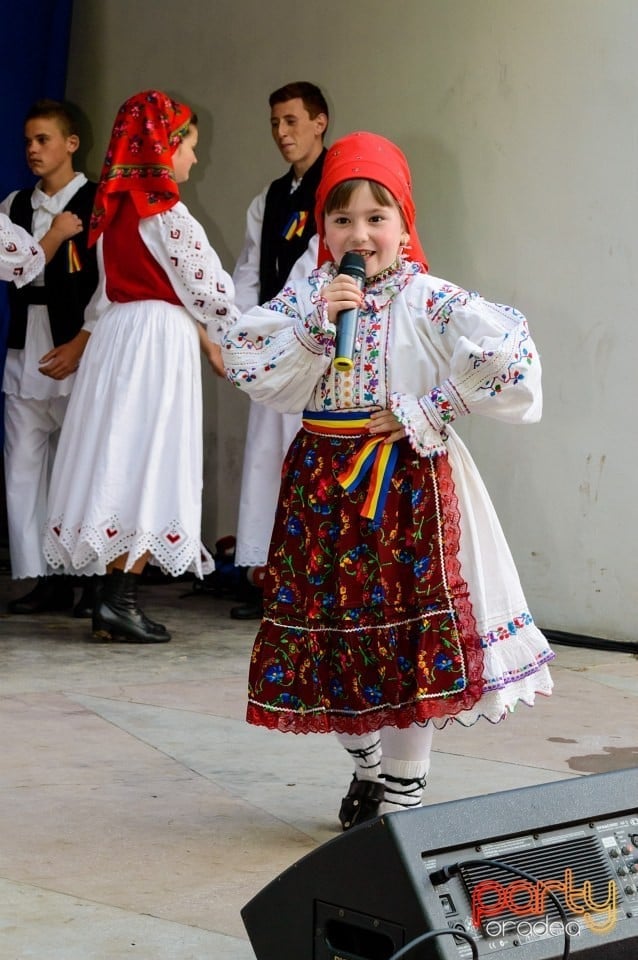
127	477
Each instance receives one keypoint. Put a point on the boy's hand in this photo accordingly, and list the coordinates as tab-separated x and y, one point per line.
342	293
66	225
63	227
384	421
64	360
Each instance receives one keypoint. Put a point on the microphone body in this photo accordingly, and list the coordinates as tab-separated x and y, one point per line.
353	265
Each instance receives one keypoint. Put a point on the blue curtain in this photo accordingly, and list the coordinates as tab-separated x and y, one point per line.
34	45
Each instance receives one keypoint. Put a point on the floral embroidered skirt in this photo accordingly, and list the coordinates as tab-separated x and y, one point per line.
367	623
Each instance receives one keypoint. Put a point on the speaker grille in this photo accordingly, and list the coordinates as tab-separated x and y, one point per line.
582	856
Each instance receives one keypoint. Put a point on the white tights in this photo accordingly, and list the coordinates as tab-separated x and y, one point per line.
399	757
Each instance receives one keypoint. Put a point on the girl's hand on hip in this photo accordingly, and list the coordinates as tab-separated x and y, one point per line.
384	421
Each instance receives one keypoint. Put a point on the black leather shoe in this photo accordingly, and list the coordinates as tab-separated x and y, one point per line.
248	611
251	606
117	616
50	595
361	802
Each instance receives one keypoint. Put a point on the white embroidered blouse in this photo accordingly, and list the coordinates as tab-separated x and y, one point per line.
180	245
426	348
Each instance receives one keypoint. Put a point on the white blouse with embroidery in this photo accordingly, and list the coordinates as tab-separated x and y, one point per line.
180	245
426	348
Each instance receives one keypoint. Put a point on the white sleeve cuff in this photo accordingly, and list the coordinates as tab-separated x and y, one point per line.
424	438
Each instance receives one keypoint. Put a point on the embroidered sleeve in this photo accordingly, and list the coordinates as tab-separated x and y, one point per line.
21	257
426	439
488	361
180	245
278	352
493	366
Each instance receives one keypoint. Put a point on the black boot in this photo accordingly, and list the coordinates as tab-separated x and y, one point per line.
50	594
361	802
251	595
118	618
252	608
83	610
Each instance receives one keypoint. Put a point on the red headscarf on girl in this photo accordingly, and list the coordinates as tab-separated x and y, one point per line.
148	129
368	156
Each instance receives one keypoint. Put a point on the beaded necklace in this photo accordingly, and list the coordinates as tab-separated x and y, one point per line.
383	275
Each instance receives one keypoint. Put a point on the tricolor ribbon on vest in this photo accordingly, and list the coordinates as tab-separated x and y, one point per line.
374	458
296	225
73	262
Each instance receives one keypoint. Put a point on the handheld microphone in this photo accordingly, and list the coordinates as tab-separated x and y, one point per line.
353	265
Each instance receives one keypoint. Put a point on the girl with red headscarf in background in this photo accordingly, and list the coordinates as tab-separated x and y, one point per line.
127	482
392	603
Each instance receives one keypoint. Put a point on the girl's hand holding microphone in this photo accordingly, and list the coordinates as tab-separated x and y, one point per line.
342	293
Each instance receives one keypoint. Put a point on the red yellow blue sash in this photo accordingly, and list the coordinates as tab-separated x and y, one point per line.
374	457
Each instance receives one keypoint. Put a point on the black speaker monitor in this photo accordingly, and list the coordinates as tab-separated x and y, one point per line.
516	870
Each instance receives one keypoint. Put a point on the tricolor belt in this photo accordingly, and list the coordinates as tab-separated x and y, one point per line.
374	457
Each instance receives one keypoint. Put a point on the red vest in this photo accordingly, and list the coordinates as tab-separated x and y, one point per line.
131	271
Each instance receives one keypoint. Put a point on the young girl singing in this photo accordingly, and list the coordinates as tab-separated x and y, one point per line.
392	601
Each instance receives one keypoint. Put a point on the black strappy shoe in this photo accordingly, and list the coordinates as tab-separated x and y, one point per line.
361	802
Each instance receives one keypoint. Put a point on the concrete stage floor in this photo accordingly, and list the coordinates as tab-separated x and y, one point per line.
140	812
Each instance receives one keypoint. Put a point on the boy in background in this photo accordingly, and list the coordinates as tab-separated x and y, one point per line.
46	340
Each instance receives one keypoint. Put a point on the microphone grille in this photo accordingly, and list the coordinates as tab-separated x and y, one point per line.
353	265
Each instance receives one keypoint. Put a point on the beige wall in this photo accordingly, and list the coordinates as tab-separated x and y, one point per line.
518	117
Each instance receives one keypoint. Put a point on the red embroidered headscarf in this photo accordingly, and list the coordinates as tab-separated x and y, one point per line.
368	156
148	129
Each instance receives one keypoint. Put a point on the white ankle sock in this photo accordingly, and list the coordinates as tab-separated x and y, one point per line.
404	782
365	752
405	765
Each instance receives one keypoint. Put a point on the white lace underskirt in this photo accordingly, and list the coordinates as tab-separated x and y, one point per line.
515	671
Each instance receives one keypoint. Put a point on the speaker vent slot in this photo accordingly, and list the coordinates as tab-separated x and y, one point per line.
354	941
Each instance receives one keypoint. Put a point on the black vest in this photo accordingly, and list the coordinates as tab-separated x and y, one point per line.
69	281
289	223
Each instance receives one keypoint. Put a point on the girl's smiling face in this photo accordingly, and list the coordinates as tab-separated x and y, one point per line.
363	225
